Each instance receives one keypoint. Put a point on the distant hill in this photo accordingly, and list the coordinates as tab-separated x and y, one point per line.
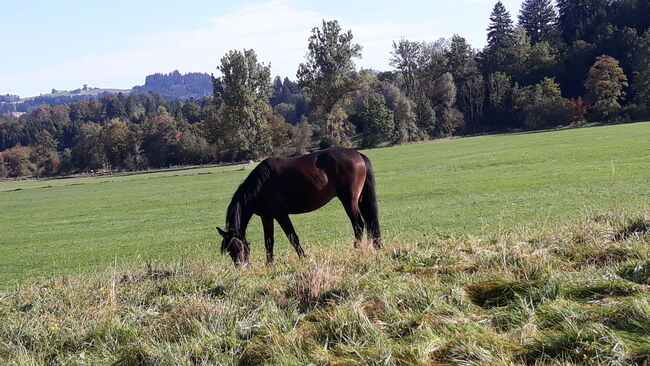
172	86
85	92
56	97
177	86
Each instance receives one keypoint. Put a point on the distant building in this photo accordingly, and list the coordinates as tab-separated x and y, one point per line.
17	114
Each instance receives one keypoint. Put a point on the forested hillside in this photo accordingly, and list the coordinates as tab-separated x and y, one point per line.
556	64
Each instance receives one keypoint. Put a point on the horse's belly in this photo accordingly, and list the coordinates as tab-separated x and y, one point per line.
304	202
308	207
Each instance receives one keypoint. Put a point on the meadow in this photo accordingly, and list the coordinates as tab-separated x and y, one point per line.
500	250
469	186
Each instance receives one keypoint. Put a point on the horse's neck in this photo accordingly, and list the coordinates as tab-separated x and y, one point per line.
239	216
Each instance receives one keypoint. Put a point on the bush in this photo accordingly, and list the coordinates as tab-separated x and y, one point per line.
17	161
3	168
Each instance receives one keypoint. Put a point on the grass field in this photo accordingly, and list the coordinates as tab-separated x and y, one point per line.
527	249
470	186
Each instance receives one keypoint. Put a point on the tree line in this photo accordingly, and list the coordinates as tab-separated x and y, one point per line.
560	63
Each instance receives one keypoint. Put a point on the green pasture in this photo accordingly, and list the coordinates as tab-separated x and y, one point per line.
470	186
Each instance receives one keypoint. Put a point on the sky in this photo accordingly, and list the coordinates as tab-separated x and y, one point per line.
115	44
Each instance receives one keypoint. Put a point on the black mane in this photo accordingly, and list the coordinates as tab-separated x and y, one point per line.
240	210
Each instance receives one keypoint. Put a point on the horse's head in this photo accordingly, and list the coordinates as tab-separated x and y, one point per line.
236	246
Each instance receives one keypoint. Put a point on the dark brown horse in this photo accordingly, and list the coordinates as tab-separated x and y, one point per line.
280	187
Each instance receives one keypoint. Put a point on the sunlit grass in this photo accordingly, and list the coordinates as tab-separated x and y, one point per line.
506	299
427	191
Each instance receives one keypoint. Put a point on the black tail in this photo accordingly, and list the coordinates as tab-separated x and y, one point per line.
368	206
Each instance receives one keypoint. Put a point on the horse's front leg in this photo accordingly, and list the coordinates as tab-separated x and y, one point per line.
287	227
267	224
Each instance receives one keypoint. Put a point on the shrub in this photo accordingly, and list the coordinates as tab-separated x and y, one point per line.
17	161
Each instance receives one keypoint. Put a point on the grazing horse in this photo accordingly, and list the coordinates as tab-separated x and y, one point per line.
279	187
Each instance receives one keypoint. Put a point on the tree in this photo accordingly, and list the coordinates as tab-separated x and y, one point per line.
501	28
119	144
541	61
605	83
277	91
516	54
580	19
471	98
113	107
578	108
328	77
160	140
444	101
302	136
88	153
461	59
403	110
432	63
242	95
642	73
425	116
191	112
378	120
539	18
281	135
500	37
541	105
45	155
499	102
405	58
17	161
4	172
287	111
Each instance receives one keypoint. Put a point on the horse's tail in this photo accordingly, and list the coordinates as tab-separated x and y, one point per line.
368	205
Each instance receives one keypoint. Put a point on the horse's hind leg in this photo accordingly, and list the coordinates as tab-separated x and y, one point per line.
267	223
287	227
351	206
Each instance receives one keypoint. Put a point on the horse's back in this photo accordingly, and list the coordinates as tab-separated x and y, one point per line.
308	182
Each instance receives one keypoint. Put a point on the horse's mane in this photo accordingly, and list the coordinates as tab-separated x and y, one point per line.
247	192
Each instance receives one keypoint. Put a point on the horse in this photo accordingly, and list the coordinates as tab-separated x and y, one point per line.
279	187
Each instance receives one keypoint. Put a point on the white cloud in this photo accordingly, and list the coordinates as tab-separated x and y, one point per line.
277	30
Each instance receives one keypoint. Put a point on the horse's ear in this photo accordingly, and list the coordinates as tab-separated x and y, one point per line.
221	232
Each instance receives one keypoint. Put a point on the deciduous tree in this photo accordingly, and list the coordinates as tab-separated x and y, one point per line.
605	88
44	154
328	77
378	120
242	95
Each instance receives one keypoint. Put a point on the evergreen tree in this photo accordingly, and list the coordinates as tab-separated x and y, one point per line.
581	19
500	37
277	92
501	27
539	18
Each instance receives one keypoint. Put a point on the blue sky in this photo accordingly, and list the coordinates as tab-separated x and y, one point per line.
64	44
